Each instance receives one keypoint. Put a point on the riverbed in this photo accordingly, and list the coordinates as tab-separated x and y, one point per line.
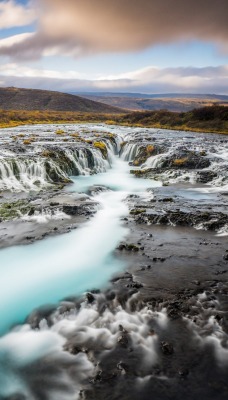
113	263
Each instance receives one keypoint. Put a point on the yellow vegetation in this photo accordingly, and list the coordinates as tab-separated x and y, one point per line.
46	153
102	147
60	132
150	149
27	141
180	161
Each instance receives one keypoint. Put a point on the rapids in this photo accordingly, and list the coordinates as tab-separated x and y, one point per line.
33	362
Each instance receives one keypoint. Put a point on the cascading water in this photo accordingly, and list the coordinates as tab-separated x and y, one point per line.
33	362
69	264
26	173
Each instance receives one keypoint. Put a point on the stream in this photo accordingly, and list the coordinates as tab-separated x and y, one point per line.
49	270
69	330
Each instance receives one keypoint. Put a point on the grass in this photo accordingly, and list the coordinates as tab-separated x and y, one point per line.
212	119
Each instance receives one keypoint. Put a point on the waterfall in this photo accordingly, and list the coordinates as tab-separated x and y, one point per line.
26	173
129	151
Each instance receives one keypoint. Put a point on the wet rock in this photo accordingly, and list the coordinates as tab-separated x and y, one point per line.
31	211
123	340
73	209
54	204
135	285
186	159
17	396
128	247
90	298
94	190
155	259
37	316
122	366
166	200
183	372
72	349
205	176
167	348
197	283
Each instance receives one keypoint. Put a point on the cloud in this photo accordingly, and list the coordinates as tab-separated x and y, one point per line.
77	27
13	14
147	80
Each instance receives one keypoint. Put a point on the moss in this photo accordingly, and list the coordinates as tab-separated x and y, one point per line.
122	144
102	147
137	211
13	210
27	141
180	161
128	247
150	149
60	132
46	153
144	153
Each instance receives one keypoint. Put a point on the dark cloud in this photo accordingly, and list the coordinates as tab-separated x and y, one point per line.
79	27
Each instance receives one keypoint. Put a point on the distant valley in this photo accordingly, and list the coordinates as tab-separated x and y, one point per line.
143	102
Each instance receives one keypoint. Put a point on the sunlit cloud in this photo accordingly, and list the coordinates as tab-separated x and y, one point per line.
13	14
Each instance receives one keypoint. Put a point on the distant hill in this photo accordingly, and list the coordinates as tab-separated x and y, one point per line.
210	96
150	102
44	100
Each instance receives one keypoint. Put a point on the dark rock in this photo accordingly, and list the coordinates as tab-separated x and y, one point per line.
205	176
90	297
183	372
167	348
123	340
122	366
17	396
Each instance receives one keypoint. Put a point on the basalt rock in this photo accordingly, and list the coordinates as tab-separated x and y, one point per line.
209	220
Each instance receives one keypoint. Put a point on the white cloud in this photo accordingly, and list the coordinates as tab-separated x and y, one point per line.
15	39
147	80
13	14
17	70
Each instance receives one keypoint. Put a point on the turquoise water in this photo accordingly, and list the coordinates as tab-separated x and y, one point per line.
49	270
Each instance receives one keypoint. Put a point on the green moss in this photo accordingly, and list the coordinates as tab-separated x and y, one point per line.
13	210
137	211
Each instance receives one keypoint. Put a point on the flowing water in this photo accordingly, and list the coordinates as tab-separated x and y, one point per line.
33	363
49	270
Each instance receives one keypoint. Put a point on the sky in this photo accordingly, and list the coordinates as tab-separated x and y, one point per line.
146	46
